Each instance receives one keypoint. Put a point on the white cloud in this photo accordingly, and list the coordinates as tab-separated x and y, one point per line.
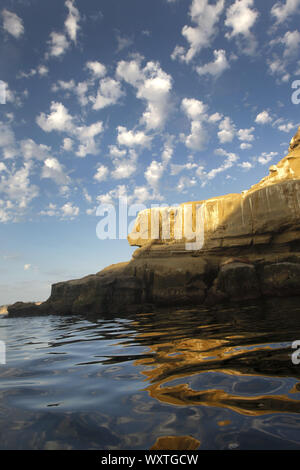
58	44
63	85
58	120
154	173
229	161
54	170
42	70
114	151
86	136
265	157
197	139
72	20
67	144
291	41
132	139
246	165
68	210
97	69
12	23
206	17
240	17
27	267
215	68
109	93
215	117
7	140
263	118
50	211
245	135
227	130
101	173
287	127
31	149
194	109
124	166
17	186
153	86
245	146
283	10
178	168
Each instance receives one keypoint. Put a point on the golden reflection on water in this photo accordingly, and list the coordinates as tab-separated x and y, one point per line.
176	356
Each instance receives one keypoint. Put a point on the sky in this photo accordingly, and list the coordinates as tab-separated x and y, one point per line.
161	101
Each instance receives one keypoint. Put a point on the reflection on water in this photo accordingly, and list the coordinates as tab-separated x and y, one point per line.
207	379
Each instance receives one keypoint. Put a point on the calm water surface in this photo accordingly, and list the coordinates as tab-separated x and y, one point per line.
224	378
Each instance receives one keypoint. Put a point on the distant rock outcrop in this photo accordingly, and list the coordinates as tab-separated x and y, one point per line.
249	249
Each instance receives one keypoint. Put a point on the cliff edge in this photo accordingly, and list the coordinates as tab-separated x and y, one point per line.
238	247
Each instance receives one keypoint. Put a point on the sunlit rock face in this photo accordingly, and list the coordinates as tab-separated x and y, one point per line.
234	248
269	208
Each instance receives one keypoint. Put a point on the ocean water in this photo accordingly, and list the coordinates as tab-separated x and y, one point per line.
225	377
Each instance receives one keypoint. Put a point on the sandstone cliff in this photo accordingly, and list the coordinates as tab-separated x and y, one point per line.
248	249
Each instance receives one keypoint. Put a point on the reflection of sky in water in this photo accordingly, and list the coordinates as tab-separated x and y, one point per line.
224	378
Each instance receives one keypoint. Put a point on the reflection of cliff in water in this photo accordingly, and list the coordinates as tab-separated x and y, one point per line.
236	357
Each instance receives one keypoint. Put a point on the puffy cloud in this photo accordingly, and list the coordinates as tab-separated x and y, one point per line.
194	109
246	134
265	157
291	41
12	23
197	139
58	120
215	68
86	135
101	173
154	173
206	17
240	17
58	44
68	210
227	130
17	187
283	10
132	139
109	93
54	170
72	20
287	127
130	71
153	85
263	118
31	149
7	140
27	267
246	165
67	144
245	146
97	69
124	166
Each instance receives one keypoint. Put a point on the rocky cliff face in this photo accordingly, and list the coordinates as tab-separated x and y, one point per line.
239	247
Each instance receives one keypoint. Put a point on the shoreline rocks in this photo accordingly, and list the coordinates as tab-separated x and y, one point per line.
251	252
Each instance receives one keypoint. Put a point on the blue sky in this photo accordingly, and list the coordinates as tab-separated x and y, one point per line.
164	101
